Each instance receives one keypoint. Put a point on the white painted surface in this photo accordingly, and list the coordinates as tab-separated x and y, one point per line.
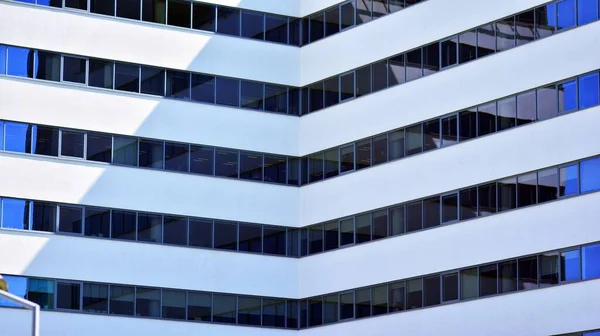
499	155
141	264
550	311
65	324
69	181
407	29
507	235
145	116
482	80
148	44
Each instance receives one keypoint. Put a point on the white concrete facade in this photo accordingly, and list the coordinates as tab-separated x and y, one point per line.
568	307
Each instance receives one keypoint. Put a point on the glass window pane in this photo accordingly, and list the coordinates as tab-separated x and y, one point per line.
273	313
505	33
397	70
125	151
17	286
95	298
176	157
292	314
330	309
507	194
251	166
332	91
431	135
228	91
147	302
548	269
414	216
507	113
346	306
396	144
151	154
347	158
591	261
226	163
228	21
153	81
414	67
275	169
525	28
121	300
347	232
431	211
253	25
123	225
569	180
449	52
486	118
179	15
363	81
203	88
380	224
449	130
102	7
467	46
332	21
175	230
149	227
316	167
68	295
41	291
527	189
97	222
2	60
450	287
588	90
173	303
100	74
363	303
47	66
347	15
486	40
317	27
224	308
547	185
380	149
315	312
487	199
379	297
431	58
18	137
526	107
363	228
226	235
201	232
252	95
380	75
203	17
72	144
127	77
199	306
316	96
129	9
414	140
250	238
414	298
74	69
275	98
70	219
155	11
528	274
488	280
293	177
274	240
315	237
347	86
565	12
507	273
432	290
397	220
44	217
202	160
276	28
567	96
20	62
397	297
178	84
587	11
570	268
547	102
331	231
363	154
449	208
468	124
45	140
590	175
99	147
468	203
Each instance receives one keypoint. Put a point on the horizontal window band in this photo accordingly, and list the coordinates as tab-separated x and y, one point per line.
524	273
232	21
584	333
511	193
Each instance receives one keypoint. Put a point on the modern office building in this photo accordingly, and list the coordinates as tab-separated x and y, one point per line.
300	167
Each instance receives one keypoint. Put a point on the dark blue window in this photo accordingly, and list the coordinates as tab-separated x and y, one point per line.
177	157
202	160
70	219
226	163
273	314
545	20
203	88
180	13
316	96
153	81
47	66
224	308
565	14
101	7
199	306
275	169
45	140
175	230
77	4
315	312
569	265
226	236
125	151
44	217
129	9
569	180
315	234
18	137
228	21
151	154
149	227
74	69
99	147
203	17
275	98
251	166
588	90
15	214
228	91
587	11
253	25
253	95
178	84
567	96
2	60
123	225
173	304
20	62
317	27
97	222
127	77
591	261
276	28
200	232
100	74
590	175
274	240
250	237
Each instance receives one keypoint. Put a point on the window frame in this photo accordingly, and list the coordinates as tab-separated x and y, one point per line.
87	67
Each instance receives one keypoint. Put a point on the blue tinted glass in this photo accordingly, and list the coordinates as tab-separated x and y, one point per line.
15	214
228	91
593	333
125	151
591	261
567	96
569	180
570	262
53	3
587	11
18	137
20	62
2	60
1	135
590	175
588	90
27	1
565	14
16	285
